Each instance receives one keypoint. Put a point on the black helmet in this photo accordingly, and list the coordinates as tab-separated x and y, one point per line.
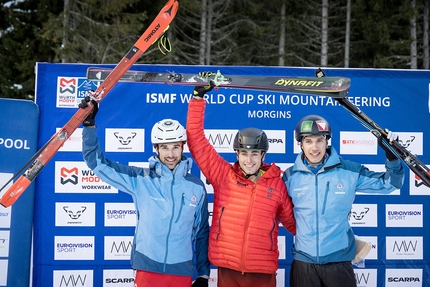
251	139
313	125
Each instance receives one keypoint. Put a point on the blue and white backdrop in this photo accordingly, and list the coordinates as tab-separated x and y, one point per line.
83	228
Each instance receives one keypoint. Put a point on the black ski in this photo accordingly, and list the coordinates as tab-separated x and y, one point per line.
329	86
414	164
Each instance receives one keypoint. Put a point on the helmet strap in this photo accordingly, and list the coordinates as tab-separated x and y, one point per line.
248	175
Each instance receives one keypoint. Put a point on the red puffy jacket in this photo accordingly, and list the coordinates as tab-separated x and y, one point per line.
244	231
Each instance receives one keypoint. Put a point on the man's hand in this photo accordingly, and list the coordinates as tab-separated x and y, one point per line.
90	120
207	74
201	282
391	137
200	91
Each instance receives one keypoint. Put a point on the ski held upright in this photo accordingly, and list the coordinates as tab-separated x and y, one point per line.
155	30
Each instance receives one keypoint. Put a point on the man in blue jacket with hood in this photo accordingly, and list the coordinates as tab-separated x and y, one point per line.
322	186
171	205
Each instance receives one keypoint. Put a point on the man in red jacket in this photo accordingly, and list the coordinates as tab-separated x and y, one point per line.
250	198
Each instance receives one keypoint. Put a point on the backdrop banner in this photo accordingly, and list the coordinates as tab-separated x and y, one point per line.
18	142
83	228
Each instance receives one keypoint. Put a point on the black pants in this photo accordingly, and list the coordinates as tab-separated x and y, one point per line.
338	274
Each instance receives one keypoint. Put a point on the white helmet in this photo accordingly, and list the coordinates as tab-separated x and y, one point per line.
168	131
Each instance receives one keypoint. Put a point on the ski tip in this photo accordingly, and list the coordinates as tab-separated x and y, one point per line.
171	8
10	198
7	202
15	191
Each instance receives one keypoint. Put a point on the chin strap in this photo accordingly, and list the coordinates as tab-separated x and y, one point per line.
248	175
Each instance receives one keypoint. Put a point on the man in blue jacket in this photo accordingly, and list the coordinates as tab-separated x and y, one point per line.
171	205
322	186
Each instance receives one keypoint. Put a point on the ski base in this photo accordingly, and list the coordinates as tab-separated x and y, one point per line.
335	87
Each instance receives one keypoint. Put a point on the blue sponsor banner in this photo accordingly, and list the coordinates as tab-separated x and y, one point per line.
84	228
18	142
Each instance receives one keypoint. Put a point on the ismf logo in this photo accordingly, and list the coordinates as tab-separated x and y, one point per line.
69	175
70	90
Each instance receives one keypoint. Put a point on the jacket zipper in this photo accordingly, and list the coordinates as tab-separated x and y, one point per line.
135	232
170	225
325	196
219	223
245	236
180	209
271	235
317	218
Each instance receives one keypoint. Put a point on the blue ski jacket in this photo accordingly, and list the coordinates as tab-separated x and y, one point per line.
172	210
322	202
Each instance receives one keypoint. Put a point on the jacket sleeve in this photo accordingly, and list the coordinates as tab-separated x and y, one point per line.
201	241
119	176
213	166
286	213
381	182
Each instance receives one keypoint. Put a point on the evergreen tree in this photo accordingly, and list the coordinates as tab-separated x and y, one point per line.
94	31
211	32
21	45
380	35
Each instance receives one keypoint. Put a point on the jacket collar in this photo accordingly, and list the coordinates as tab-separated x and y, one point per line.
332	161
269	170
181	169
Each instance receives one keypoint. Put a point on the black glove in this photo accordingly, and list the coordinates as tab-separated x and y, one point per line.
200	91
201	282
90	120
391	137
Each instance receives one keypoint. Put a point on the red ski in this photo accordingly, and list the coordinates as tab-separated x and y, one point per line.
42	157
